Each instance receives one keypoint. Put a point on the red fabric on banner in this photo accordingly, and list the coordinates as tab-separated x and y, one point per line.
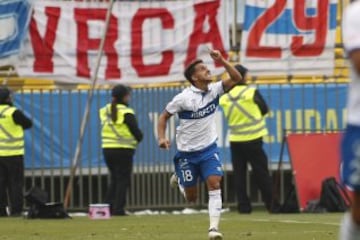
314	157
146	42
285	39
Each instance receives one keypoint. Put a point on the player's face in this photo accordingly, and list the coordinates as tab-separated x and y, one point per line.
202	73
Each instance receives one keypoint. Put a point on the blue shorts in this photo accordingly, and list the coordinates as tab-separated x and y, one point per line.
350	154
190	166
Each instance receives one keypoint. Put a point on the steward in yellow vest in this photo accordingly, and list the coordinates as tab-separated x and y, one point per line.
116	134
12	125
120	136
244	109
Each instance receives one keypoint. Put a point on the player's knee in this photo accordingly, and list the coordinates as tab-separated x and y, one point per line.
214	186
213	183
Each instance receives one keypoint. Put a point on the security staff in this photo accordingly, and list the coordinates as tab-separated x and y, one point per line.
12	125
244	109
120	135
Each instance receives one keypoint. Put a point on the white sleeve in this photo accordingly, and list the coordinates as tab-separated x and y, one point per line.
351	27
175	105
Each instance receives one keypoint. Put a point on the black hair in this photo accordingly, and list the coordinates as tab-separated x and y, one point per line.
241	69
4	94
118	93
190	69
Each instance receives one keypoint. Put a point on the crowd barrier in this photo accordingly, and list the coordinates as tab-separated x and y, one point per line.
50	144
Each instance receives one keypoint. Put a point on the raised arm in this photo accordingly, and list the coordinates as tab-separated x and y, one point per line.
235	76
163	142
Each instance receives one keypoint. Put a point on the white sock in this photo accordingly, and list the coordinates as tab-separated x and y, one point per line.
215	204
348	229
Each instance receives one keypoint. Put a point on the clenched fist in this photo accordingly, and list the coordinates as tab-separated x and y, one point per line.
216	55
164	143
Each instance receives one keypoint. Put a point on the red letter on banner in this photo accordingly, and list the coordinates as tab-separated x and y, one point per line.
254	49
84	43
137	61
205	10
44	47
317	24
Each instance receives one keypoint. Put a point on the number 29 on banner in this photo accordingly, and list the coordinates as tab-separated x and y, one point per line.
317	25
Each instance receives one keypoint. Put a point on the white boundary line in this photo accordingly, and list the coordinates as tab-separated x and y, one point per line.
293	221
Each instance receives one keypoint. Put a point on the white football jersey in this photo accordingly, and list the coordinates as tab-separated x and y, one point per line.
196	110
351	38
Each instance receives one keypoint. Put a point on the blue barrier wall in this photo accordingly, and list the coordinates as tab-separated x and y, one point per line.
57	116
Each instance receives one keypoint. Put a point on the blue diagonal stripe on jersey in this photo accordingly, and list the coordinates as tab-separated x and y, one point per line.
203	112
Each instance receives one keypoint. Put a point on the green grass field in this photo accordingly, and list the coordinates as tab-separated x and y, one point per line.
257	226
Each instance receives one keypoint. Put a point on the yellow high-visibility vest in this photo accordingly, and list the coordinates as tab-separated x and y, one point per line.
243	115
116	135
11	134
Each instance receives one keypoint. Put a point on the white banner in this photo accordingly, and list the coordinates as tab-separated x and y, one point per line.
289	37
14	20
146	41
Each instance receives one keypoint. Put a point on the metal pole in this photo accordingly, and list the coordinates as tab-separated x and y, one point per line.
234	24
85	118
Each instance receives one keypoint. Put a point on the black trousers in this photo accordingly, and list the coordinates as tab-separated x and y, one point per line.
251	152
11	184
120	163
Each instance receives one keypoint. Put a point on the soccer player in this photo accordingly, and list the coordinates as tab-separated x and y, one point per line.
197	155
350	146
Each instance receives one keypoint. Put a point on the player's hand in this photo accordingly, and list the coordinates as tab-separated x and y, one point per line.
216	55
164	143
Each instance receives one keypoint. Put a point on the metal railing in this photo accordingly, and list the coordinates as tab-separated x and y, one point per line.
56	115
